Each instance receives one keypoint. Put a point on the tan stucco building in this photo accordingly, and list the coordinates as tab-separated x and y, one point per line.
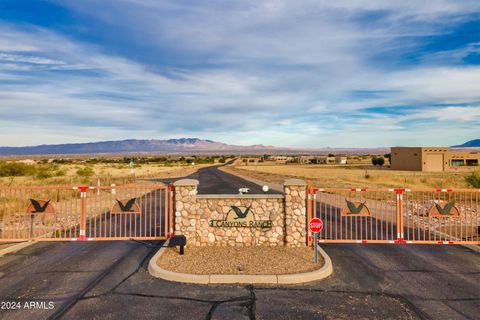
433	159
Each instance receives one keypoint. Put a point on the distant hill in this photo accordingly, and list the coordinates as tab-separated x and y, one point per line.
183	146
469	144
132	146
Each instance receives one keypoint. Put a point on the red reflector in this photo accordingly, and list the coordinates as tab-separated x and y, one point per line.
364	241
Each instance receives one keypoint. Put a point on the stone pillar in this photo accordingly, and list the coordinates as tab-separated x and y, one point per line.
186	209
295	213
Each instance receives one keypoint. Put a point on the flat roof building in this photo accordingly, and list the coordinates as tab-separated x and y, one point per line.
433	159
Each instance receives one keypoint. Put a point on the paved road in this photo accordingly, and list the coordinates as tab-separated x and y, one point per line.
214	181
109	280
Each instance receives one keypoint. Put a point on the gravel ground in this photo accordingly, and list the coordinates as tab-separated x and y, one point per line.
246	260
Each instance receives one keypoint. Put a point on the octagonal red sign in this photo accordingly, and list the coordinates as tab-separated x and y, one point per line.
315	225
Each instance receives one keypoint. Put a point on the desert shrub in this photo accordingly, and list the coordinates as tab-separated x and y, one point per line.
43	173
16	169
474	179
60	173
85	172
378	161
46	171
62	161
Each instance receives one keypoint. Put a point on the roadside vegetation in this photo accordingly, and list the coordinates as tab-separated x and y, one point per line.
474	179
359	175
91	171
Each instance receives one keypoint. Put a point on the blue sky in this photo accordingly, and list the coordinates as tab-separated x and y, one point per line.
285	73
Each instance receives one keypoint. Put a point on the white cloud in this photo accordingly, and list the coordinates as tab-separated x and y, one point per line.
276	72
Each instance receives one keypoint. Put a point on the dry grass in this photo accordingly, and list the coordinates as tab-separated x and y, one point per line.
244	260
347	176
107	173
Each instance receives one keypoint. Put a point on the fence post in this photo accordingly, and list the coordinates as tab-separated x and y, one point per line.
400	234
171	190
83	212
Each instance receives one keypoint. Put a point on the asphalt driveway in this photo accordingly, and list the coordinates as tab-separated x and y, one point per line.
109	280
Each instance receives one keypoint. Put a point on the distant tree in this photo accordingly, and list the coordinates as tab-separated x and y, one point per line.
331	155
378	161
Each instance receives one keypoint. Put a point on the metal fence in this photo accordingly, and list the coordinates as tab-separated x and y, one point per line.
440	216
60	213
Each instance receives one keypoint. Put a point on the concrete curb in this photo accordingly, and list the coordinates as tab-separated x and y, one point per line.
155	270
473	247
15	247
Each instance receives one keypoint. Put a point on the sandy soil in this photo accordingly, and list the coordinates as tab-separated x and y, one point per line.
234	260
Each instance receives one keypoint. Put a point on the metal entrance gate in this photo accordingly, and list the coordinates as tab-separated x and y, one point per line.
441	216
60	213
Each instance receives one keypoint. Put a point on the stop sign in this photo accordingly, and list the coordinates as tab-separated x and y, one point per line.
315	225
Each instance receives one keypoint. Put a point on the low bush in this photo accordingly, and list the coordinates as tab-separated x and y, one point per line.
378	161
15	169
474	179
85	172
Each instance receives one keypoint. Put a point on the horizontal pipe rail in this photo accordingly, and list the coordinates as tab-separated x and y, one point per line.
395	215
66	213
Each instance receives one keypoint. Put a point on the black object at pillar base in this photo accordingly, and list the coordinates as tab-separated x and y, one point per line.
180	241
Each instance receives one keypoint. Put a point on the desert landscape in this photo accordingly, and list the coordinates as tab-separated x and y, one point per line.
358	175
95	171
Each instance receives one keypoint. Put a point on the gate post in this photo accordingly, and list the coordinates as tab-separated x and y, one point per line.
400	234
295	212
83	212
186	214
309	212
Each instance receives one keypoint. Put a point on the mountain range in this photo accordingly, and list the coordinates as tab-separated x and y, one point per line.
469	144
182	145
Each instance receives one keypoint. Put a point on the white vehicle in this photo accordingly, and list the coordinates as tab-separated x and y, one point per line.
243	190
